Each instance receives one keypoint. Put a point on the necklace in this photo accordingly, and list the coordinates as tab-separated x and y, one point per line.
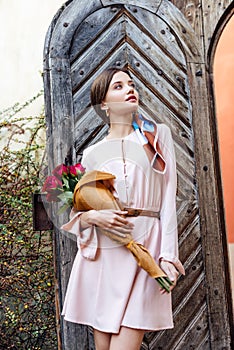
125	170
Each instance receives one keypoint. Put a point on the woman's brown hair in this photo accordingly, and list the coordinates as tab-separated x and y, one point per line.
100	87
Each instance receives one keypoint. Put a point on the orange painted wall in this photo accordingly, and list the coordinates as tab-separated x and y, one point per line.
224	94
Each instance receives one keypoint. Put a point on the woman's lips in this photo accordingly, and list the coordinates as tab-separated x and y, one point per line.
131	98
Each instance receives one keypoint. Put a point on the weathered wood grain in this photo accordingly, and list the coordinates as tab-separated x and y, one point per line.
214	241
153	106
59	140
156	78
150	5
160	32
67	24
192	307
148	47
204	16
114	36
91	28
192	10
182	29
211	15
89	126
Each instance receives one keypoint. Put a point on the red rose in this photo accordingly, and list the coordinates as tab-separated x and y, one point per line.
52	183
60	170
76	169
80	168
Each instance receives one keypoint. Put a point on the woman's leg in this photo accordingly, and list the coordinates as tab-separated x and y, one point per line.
127	338
102	340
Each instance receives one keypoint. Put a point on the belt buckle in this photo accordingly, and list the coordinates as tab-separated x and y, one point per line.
136	212
133	212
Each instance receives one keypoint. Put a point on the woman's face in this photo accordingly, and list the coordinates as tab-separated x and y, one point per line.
122	97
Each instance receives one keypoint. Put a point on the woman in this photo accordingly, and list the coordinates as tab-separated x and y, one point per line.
107	290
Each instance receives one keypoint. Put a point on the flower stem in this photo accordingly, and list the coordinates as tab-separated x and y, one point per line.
164	283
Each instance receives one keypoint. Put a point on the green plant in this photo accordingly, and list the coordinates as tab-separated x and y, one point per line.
27	314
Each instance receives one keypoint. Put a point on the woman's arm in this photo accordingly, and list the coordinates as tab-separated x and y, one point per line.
169	259
111	220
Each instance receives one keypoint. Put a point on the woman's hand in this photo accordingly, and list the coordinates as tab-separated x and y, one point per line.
170	271
110	220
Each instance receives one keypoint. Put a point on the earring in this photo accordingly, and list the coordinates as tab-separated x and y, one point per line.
107	113
106	109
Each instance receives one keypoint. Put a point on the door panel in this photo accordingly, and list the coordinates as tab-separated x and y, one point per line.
157	44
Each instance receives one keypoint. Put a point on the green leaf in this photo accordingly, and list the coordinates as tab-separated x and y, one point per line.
66	182
72	184
65	196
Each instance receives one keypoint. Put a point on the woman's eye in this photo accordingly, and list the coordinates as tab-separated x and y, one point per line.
118	86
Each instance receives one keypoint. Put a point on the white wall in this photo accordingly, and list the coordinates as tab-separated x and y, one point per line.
23	26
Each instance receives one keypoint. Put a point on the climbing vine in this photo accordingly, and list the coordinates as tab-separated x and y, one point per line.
27	315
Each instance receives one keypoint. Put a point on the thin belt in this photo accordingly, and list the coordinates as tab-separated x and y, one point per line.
142	212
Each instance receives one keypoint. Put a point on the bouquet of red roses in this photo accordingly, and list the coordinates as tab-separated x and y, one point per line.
59	187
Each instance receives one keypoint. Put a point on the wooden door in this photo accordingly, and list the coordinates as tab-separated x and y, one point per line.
158	45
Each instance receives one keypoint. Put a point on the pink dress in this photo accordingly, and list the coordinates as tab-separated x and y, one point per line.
107	289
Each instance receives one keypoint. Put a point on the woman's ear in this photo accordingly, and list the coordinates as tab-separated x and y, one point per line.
104	106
